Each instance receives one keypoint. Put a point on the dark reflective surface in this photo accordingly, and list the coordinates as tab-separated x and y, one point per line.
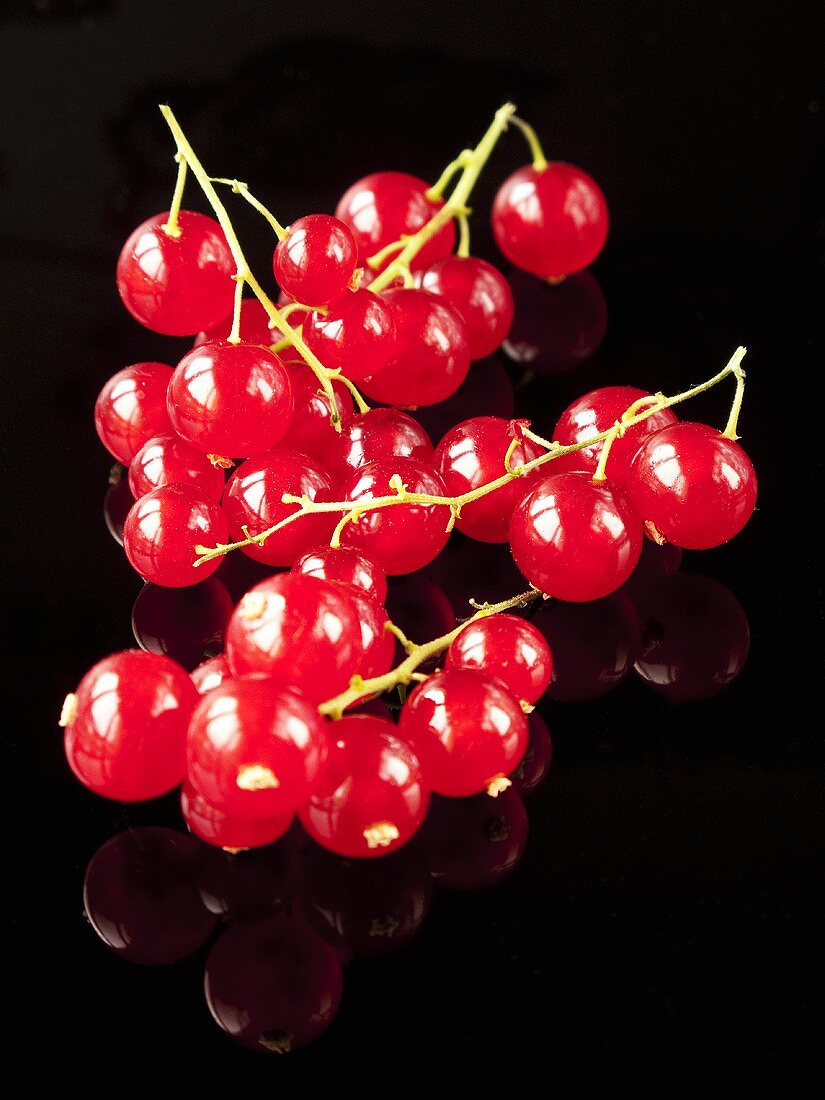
665	911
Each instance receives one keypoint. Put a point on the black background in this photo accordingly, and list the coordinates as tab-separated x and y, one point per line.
665	914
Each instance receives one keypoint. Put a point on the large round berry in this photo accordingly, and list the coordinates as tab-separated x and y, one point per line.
180	284
167	460
471	455
378	433
310	430
126	726
431	356
253	749
481	295
230	399
508	648
300	630
316	259
551	222
371	798
400	537
253	501
131	408
385	206
345	565
357	334
162	530
575	538
696	487
467	730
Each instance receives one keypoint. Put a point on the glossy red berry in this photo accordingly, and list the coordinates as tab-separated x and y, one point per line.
377	644
211	673
167	460
594	413
230	399
224	830
431	356
254	326
371	798
316	259
575	538
401	537
186	624
300	630
378	433
254	750
696	486
310	430
471	455
162	530
385	206
253	501
346	566
556	328
481	295
551	222
177	285
126	726
131	408
356	334
508	648
466	729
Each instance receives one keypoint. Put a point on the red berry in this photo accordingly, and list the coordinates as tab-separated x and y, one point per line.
533	769
253	500
400	537
254	750
186	624
507	648
471	455
551	222
300	630
371	798
555	328
167	460
227	830
377	644
697	487
177	285
378	433
594	413
385	206
431	356
316	260
467	730
575	538
481	295
131	408
356	334
127	726
230	399
310	430
345	565
211	673
254	326
162	530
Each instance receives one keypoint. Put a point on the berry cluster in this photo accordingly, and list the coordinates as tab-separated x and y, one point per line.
341	495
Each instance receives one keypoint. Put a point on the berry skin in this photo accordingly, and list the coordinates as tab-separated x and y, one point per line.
131	408
185	624
481	295
594	413
371	798
254	326
400	537
347	566
300	630
211	674
357	334
575	538
177	285
167	460
162	530
472	454
253	500
697	487
466	729
125	737
225	830
556	328
316	260
507	648
431	356
310	430
254	750
551	222
377	644
230	399
384	206
378	433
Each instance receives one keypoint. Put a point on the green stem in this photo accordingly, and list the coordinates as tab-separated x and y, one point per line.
539	159
736	408
463	249
434	193
171	227
235	334
242	189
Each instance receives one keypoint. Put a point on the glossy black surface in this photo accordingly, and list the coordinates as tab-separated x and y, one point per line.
665	914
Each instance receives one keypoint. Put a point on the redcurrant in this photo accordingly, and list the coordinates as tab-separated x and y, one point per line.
316	259
131	408
162	530
167	460
481	295
345	565
507	648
